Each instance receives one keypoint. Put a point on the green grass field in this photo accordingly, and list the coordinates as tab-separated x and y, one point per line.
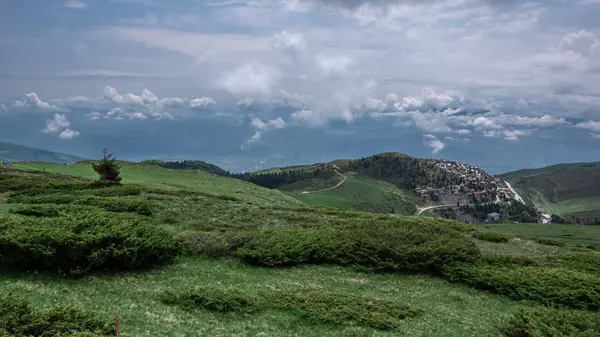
152	176
358	193
226	224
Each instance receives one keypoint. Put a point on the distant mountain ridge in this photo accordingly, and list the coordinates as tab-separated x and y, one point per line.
565	189
10	152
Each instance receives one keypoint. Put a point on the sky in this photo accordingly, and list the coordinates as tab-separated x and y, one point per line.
250	84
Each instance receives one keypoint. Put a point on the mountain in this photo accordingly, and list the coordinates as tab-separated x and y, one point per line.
388	183
565	189
10	152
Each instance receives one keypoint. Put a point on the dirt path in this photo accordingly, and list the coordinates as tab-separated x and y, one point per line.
433	207
517	196
333	187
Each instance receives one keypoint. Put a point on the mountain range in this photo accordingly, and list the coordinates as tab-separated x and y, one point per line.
394	182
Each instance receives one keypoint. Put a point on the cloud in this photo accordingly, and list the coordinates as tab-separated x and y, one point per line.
309	117
201	103
261	127
595	135
60	125
74	4
290	43
335	66
33	101
589	125
434	143
251	79
507	134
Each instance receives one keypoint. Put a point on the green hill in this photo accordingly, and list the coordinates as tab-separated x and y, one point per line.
188	165
188	253
382	183
15	153
562	189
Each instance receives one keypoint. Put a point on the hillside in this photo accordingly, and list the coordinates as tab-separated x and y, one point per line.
188	165
14	153
187	253
562	189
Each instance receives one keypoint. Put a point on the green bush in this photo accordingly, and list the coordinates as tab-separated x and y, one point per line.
17	318
88	242
343	308
37	211
491	236
583	261
216	299
112	204
214	244
383	247
316	305
550	242
549	322
548	285
503	259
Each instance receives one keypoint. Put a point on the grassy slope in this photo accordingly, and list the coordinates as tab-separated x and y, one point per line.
152	176
13	152
360	194
449	309
560	189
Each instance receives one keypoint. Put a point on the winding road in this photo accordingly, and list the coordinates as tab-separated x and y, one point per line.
434	207
333	187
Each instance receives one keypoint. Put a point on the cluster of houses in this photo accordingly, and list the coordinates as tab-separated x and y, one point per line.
473	182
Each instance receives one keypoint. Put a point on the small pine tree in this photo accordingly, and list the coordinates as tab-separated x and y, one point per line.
108	170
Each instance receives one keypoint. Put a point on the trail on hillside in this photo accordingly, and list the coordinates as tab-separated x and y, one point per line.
433	207
517	196
333	187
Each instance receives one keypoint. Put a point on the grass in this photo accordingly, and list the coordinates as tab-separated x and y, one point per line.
152	176
359	193
223	230
448	309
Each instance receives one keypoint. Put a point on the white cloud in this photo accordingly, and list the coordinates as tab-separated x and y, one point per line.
60	125
290	43
595	135
434	143
251	79
68	134
33	101
308	117
589	125
74	4
261	127
335	66
201	103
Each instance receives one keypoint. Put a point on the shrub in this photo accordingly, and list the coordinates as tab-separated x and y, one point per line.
18	318
548	285
502	259
111	204
118	191
214	244
491	236
384	247
37	211
216	299
553	322
583	261
54	198
550	242
79	244
343	308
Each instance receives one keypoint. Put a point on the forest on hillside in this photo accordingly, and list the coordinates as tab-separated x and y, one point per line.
188	165
403	171
282	178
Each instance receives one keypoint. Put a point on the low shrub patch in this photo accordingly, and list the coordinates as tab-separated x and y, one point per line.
384	247
17	318
550	242
79	244
548	285
583	261
216	299
491	236
37	211
112	204
553	322
504	259
316	305
345	309
214	244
